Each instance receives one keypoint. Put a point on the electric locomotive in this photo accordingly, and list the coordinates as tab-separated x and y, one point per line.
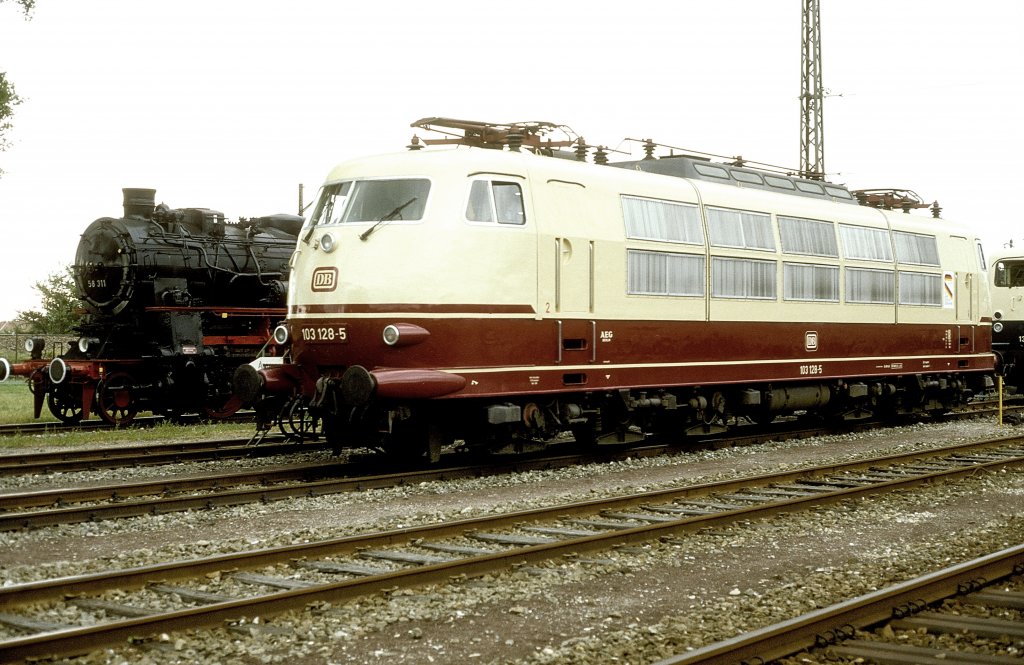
1007	282
506	289
176	299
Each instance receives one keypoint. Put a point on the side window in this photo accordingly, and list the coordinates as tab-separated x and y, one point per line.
664	274
742	278
667	221
918	288
805	281
740	228
861	242
870	286
808	236
493	201
916	248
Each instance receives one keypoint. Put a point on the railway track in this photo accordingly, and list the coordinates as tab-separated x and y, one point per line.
69	505
901	611
208	591
90	459
35	508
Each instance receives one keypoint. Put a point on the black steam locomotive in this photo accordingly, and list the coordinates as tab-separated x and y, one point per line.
176	299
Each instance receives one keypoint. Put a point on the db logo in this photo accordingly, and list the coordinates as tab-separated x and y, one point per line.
325	279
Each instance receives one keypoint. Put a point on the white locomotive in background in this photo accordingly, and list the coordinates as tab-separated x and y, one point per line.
495	292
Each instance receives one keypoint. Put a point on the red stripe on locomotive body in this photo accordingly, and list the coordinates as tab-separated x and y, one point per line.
513	356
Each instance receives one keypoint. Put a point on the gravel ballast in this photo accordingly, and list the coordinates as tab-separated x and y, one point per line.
635	604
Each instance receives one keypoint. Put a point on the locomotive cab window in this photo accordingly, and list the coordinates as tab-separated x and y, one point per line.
371	201
1009	274
497	201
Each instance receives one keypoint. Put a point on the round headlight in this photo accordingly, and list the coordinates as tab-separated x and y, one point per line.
997	327
35	344
327	243
391	335
5	369
281	335
58	370
85	342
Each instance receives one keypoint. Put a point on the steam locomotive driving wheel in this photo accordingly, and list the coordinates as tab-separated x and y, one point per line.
65	405
115	399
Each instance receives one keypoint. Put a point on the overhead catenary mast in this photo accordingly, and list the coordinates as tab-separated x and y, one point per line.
812	132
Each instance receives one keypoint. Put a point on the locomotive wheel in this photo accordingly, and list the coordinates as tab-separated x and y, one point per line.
114	399
64	406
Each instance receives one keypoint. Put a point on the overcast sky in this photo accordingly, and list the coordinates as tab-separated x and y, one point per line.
231	104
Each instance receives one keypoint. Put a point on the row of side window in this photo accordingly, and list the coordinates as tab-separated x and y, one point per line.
670	221
678	274
672	274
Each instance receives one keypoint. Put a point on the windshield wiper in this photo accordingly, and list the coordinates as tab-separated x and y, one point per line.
386	218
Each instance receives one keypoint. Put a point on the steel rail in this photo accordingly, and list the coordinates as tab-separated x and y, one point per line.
149	455
344	478
76	640
824	625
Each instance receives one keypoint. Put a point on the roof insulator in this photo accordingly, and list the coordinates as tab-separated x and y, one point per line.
581	150
648	149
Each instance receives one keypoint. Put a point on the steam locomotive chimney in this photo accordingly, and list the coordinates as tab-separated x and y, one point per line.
139	202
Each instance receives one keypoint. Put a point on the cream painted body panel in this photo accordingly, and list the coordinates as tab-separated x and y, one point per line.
569	260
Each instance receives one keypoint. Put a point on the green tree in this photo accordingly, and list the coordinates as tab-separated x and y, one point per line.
62	310
8	97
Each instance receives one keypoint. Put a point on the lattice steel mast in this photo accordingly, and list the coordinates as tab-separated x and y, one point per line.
812	132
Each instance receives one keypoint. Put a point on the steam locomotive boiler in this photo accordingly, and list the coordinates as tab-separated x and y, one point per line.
175	299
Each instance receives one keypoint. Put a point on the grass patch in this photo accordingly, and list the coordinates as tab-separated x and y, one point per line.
159	433
16	403
16	407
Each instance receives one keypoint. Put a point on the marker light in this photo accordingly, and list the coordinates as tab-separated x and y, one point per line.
391	335
404	334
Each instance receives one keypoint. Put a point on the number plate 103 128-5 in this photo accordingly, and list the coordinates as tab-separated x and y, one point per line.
336	334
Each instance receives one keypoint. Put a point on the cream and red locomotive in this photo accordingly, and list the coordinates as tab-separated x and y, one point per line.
494	292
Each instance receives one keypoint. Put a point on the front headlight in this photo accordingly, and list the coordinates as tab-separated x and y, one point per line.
85	342
35	344
58	370
281	335
327	243
997	327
